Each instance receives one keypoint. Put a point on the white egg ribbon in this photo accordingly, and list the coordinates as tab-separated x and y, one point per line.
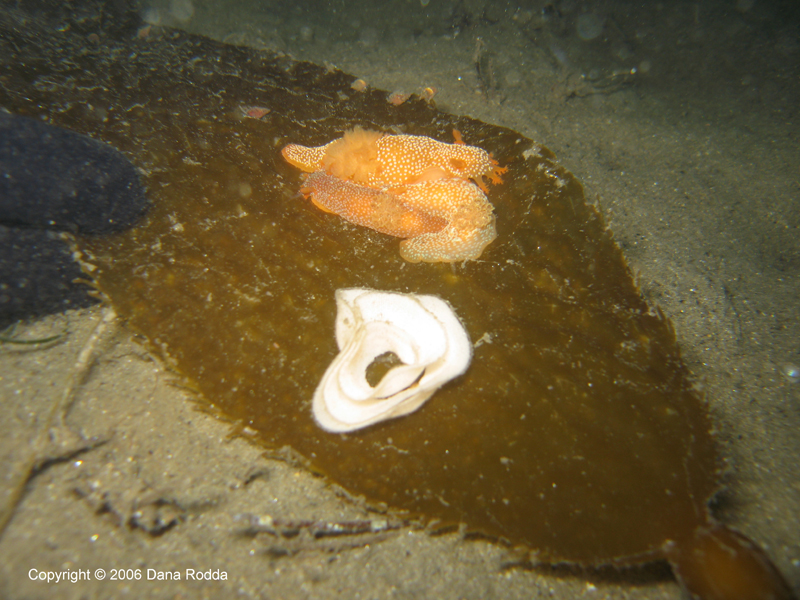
422	331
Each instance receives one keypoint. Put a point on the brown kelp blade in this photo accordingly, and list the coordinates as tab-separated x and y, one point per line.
575	431
720	564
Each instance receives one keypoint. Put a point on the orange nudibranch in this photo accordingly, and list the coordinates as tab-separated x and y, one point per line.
360	205
447	220
381	161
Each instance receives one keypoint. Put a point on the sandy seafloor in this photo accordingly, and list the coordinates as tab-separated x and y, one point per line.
693	159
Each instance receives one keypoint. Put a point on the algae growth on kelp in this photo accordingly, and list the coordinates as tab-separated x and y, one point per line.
575	431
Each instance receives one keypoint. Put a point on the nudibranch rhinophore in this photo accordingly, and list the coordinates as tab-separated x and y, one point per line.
422	331
406	186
